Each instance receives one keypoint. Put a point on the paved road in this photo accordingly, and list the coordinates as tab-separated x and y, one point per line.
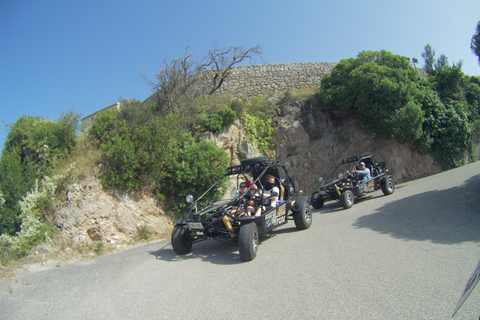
404	256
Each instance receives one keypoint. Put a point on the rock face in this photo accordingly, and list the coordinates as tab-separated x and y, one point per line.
312	147
91	214
309	159
235	143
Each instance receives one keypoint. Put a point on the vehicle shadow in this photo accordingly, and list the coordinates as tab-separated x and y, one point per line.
442	216
209	251
214	251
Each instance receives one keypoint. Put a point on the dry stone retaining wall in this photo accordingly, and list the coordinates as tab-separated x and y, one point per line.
245	82
261	80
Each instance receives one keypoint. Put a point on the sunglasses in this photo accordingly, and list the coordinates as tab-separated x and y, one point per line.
243	186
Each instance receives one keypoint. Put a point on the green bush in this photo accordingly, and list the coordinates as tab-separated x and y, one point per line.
385	93
446	133
32	230
104	126
221	120
160	156
32	149
260	131
228	117
144	233
97	247
378	88
135	113
214	123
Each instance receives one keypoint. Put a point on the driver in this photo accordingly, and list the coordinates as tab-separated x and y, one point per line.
362	172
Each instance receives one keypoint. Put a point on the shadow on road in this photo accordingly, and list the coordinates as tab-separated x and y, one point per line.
445	216
214	251
209	251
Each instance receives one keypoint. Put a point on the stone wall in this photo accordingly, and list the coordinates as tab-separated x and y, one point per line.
262	80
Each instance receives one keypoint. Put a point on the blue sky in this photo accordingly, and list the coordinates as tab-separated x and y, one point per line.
58	54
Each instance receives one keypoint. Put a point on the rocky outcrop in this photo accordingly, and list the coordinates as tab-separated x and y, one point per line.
91	214
235	143
310	156
311	146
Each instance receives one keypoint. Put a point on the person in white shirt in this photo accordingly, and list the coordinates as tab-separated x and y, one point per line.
270	194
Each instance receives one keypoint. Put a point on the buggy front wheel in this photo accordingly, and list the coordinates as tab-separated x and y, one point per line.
347	199
181	243
388	186
248	241
303	218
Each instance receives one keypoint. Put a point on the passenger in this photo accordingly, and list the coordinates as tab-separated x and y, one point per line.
270	194
246	185
240	211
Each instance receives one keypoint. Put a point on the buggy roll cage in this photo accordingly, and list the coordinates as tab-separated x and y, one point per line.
262	166
357	159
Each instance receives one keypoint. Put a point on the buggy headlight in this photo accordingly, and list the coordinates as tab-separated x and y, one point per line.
235	193
189	198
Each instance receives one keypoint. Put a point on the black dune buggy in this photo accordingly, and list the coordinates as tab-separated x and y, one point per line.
350	185
217	220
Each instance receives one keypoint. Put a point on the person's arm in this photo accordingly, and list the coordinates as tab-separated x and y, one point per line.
274	193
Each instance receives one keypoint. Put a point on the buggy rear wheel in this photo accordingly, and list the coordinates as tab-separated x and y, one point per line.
317	201
181	243
248	241
347	199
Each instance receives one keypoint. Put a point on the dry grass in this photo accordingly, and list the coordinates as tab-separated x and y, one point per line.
303	95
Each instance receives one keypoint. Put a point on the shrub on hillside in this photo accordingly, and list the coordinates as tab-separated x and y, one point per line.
386	94
160	156
32	149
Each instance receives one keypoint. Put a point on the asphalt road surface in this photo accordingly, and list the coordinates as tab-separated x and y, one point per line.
404	256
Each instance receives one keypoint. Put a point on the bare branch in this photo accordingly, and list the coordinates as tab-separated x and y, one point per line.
220	61
176	78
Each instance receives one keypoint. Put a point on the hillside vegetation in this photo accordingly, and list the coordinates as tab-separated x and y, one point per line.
163	153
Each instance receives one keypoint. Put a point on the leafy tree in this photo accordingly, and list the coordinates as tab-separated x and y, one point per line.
441	63
472	96
414	61
105	125
475	43
446	130
135	113
378	88
449	83
433	65
429	56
